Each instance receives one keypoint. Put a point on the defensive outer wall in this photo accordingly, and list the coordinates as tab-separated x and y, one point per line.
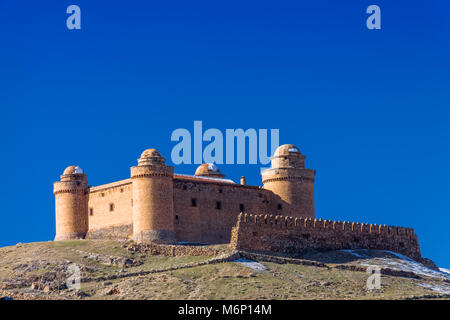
289	235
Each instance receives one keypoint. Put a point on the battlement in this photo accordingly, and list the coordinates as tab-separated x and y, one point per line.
309	224
288	234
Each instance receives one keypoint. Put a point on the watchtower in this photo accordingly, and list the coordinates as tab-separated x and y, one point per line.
71	204
289	179
152	185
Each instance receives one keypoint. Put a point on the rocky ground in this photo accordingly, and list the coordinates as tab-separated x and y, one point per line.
124	270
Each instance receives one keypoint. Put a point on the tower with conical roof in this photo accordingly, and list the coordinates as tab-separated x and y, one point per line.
152	185
71	204
289	179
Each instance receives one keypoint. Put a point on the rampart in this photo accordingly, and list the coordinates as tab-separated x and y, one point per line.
289	234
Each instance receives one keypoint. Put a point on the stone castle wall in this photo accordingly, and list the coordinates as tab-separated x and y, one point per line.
217	206
288	235
110	210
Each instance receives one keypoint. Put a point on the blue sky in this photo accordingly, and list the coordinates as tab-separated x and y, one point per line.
369	108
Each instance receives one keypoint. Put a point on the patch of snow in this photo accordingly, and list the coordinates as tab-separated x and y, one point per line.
355	253
444	270
205	178
445	289
404	263
400	256
250	264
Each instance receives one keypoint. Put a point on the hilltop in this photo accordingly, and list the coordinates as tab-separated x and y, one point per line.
125	270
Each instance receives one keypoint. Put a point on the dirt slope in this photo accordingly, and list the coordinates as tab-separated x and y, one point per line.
119	270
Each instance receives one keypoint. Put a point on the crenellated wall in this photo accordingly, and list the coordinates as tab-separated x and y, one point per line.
209	224
289	234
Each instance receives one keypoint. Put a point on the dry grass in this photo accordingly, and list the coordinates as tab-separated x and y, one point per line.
228	280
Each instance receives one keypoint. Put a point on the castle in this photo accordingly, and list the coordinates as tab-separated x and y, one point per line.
157	205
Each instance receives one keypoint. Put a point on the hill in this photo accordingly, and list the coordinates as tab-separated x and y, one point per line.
124	270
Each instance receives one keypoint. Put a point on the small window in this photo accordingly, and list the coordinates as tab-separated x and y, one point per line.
184	187
121	190
111	207
193	202
220	190
241	207
91	211
218	205
177	219
279	206
103	194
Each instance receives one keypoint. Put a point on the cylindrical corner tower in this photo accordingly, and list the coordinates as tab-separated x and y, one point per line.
153	217
289	179
71	204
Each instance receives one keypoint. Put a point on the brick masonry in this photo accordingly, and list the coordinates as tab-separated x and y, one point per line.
155	204
289	234
162	206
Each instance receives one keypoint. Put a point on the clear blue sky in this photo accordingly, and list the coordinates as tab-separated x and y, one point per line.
370	109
